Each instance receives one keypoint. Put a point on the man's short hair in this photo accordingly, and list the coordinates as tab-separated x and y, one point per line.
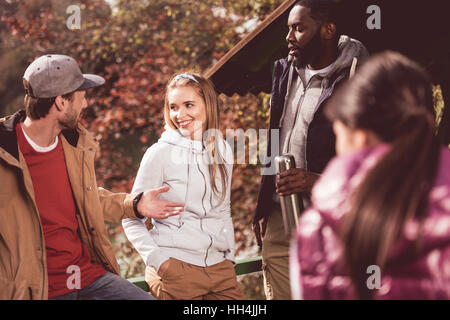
37	108
323	10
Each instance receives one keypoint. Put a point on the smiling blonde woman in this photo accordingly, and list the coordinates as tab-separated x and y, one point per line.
191	255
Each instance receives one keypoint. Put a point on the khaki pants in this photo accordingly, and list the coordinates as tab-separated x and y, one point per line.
275	254
184	281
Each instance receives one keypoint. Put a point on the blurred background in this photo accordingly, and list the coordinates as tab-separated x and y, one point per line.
137	45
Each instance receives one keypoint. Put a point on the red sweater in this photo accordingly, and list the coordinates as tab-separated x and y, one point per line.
57	210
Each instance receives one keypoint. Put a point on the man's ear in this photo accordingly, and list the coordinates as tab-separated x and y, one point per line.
329	30
59	103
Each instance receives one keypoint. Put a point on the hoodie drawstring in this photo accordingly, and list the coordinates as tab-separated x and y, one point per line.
353	67
188	179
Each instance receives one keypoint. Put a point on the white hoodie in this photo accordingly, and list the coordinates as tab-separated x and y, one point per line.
203	233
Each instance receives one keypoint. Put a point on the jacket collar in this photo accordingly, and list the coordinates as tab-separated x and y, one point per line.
8	137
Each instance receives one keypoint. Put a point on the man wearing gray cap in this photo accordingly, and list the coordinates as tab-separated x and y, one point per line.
53	241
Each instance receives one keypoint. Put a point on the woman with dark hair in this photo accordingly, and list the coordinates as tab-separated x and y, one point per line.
379	224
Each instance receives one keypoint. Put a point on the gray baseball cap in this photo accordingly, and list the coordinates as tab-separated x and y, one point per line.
55	75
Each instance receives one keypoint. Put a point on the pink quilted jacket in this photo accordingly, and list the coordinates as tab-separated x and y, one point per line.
316	252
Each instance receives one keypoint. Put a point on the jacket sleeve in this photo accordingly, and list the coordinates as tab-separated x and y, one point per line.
149	176
116	206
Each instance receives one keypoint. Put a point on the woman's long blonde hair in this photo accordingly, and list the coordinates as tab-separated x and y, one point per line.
205	89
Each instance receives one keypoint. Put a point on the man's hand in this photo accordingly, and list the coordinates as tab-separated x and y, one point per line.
295	180
152	207
260	230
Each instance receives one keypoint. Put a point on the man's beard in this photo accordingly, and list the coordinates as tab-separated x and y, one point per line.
309	51
70	120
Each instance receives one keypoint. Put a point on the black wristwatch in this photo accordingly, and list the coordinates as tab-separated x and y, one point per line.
135	203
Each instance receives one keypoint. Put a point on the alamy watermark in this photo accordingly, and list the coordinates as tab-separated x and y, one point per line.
374	280
73	22
374	20
248	147
74	280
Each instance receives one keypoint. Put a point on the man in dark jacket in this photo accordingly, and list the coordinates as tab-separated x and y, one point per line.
319	60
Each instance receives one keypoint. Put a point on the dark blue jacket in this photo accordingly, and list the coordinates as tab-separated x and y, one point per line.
320	143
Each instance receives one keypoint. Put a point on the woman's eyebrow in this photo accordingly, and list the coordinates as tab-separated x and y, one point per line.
184	102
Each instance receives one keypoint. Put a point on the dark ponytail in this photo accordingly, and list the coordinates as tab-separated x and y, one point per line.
392	97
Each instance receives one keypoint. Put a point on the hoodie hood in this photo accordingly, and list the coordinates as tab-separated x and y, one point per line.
348	49
174	137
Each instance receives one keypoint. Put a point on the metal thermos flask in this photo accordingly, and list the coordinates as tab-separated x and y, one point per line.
290	207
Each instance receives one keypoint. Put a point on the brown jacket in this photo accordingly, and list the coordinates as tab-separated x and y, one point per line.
23	269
